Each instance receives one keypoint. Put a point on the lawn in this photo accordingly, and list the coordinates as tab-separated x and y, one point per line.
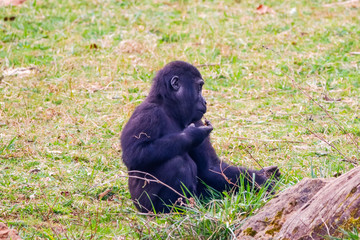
282	89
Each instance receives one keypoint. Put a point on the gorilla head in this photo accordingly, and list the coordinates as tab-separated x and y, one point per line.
178	88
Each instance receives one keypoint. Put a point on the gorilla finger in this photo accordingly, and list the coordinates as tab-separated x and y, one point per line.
207	122
207	128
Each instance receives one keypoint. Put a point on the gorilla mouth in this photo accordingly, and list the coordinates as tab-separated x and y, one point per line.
199	114
202	112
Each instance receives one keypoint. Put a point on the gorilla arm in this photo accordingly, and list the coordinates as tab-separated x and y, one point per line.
144	147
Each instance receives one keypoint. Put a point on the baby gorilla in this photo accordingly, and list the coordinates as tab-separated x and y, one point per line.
165	141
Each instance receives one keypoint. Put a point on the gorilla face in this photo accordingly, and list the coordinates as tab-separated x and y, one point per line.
187	89
200	106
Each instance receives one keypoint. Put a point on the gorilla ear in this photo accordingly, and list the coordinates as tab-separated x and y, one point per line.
174	82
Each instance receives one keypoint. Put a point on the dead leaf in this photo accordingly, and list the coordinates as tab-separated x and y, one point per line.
34	171
130	46
9	19
93	87
103	194
326	98
20	197
59	229
93	46
192	202
116	146
111	198
262	9
11	2
355	53
6	233
19	71
65	194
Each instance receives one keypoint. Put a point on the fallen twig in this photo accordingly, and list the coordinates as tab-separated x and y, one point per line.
207	65
155	179
269	140
252	157
340	3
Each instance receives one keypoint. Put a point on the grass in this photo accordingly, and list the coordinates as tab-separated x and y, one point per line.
92	64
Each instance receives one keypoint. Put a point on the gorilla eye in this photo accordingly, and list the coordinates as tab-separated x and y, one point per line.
200	88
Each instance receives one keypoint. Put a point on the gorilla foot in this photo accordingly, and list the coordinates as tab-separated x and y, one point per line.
271	171
272	174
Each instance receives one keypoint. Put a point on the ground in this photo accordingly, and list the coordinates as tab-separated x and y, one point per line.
72	72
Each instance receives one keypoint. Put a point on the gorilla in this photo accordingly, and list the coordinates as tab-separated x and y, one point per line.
166	147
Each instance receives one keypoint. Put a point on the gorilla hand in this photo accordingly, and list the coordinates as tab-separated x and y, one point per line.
197	134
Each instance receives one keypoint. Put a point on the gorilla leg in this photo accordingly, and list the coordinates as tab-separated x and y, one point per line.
222	176
161	188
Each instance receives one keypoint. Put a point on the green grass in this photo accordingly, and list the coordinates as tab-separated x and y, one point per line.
94	61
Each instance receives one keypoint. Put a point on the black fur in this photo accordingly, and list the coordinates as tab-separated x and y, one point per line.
166	139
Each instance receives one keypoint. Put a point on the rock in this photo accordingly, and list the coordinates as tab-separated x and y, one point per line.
311	209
